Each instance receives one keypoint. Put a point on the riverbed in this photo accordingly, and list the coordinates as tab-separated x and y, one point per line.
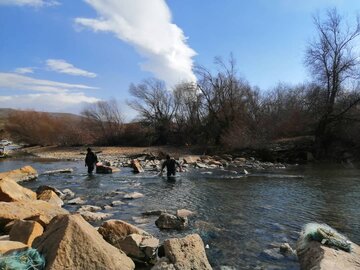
241	218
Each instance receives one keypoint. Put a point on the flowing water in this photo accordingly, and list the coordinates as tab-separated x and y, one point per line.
241	218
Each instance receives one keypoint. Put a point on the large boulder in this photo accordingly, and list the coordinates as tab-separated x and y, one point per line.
322	247
26	173
50	197
186	253
40	211
135	242
11	246
25	231
320	257
69	242
168	221
10	191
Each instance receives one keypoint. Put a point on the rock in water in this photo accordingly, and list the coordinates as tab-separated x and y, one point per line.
135	164
71	243
102	169
26	173
187	253
50	197
168	221
67	170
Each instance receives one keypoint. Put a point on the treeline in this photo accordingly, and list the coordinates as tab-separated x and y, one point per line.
223	109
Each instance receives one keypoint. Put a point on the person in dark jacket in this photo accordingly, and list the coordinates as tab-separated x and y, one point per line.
170	165
90	160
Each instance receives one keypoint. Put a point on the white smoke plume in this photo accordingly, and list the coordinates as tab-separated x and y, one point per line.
147	26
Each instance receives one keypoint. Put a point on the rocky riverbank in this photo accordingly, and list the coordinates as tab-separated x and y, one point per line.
68	240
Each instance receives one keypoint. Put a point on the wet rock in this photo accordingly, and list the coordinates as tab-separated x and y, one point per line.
26	173
50	197
77	200
137	168
133	195
287	250
66	170
11	246
27	210
154	212
10	191
201	165
25	231
184	213
42	188
187	253
94	216
116	203
272	254
71	243
67	194
102	169
168	221
89	208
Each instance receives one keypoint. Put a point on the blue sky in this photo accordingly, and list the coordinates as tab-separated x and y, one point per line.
60	55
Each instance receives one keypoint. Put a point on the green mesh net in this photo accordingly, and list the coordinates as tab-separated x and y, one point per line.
29	259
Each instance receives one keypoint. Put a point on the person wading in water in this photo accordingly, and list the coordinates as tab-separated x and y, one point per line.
170	165
90	160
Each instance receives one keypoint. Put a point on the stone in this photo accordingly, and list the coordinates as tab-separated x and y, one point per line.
77	200
89	208
286	249
66	170
67	194
163	264
137	168
25	231
133	195
28	210
153	212
184	213
69	242
50	197
102	169
187	253
191	159
135	242
5	238
11	246
214	162
320	257
168	221
26	173
10	191
42	188
92	217
115	203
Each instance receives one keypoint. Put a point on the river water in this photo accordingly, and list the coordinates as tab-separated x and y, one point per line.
241	218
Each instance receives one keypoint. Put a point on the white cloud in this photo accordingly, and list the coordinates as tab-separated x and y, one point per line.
21	82
146	25
54	102
62	66
24	70
34	3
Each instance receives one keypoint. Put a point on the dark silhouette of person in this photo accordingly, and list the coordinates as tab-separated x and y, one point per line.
170	165
90	160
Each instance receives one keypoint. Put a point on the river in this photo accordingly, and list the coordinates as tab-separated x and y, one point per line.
239	217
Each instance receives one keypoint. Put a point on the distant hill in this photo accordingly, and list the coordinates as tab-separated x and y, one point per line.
4	113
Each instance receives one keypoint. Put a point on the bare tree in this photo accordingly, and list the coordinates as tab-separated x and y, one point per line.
104	121
155	105
334	62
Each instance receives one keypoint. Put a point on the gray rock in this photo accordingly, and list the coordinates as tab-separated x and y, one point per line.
168	221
